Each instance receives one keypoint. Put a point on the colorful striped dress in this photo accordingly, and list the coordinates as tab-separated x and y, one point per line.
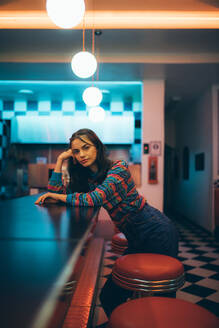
117	193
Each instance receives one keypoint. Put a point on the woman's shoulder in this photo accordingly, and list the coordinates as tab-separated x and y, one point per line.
119	165
120	162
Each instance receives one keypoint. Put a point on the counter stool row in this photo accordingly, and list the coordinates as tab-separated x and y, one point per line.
151	275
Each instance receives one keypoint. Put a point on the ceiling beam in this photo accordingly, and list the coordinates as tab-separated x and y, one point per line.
116	20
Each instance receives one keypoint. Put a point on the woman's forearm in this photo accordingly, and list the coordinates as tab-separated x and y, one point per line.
61	197
61	158
58	167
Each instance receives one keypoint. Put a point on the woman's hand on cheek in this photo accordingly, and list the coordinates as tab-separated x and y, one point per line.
66	155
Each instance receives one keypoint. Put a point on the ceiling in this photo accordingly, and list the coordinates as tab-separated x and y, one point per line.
116	14
183	51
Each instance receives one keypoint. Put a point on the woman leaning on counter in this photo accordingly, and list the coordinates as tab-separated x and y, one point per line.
97	181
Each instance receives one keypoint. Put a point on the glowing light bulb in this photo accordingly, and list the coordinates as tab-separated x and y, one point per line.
84	64
65	13
96	114
92	96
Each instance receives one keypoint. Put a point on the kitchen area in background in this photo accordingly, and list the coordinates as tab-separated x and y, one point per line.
38	119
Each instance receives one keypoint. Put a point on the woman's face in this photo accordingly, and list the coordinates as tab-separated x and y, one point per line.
85	152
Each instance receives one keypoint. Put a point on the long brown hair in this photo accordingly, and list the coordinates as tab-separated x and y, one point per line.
79	175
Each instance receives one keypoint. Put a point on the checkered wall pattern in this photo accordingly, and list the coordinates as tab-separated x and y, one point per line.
15	108
50	107
4	142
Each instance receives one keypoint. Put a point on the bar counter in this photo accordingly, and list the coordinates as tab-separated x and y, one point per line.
39	246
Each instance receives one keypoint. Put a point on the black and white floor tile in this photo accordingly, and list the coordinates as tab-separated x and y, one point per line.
199	253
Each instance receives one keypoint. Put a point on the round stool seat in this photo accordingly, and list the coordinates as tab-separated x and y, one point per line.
119	243
120	239
148	272
160	312
148	266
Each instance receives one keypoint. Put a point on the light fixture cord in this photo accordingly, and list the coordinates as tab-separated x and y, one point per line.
83	33
93	52
98	57
93	34
93	41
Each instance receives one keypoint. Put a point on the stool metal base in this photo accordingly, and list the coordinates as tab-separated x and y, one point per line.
162	286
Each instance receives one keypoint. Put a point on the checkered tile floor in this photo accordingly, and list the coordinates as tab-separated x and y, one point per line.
199	253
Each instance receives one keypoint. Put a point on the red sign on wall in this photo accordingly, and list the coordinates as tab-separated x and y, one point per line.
152	169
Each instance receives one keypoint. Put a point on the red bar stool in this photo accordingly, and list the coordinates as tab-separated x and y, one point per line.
119	243
161	312
148	274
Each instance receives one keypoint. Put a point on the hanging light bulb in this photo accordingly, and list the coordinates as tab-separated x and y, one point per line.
96	114
65	13
92	96
84	64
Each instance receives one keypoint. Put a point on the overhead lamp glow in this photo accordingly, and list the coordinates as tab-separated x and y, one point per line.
26	91
96	114
84	64
65	13
92	96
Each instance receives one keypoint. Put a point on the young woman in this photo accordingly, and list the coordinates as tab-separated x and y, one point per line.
96	181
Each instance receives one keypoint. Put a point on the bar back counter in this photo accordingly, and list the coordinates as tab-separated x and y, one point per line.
39	247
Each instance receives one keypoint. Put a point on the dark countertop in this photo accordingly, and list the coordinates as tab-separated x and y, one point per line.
39	246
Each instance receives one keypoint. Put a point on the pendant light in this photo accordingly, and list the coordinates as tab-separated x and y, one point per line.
96	114
65	13
92	96
84	63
